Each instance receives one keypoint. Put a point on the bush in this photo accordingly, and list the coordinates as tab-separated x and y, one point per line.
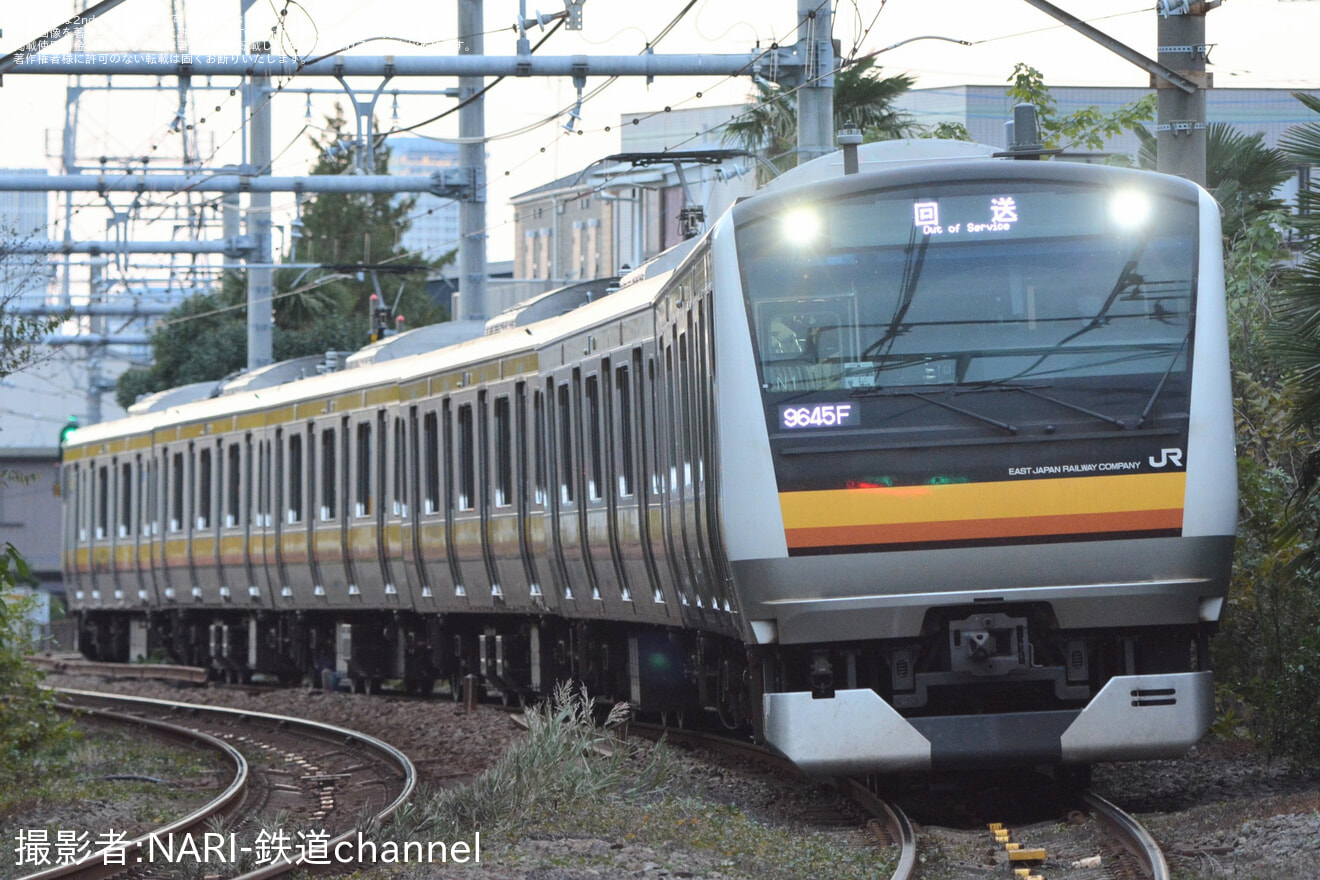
29	723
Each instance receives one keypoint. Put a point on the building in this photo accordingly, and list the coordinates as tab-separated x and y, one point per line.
616	214
611	215
434	229
984	110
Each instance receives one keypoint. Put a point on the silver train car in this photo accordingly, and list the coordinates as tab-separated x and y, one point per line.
927	467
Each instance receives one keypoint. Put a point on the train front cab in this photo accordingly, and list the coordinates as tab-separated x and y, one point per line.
990	517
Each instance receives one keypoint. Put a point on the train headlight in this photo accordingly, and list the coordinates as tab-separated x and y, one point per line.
801	226
1129	208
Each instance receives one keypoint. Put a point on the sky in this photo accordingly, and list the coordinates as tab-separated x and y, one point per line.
1259	43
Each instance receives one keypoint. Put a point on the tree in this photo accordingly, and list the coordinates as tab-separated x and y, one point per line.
1086	127
1298	337
862	97
1241	172
355	238
1269	654
21	334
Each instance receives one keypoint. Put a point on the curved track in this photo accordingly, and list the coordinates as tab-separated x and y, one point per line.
1131	834
897	827
338	777
97	865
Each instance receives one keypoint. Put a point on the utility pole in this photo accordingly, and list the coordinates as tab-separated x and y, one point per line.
815	99
472	155
1180	130
1179	76
260	275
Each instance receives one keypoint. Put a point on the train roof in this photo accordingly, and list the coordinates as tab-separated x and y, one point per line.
197	404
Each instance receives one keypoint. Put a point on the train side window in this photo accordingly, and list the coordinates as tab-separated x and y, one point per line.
467	462
295	512
204	482
176	492
538	446
654	427
254	478
362	501
595	479
399	501
126	485
142	496
625	415
102	500
328	471
233	484
503	453
431	451
565	425
153	499
685	402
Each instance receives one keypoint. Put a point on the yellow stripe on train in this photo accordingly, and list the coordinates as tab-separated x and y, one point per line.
979	511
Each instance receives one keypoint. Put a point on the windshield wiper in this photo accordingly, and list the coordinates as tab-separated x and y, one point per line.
1046	397
1127	278
907	292
980	417
1159	386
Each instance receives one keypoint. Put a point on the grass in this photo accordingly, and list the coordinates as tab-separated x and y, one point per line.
71	790
571	795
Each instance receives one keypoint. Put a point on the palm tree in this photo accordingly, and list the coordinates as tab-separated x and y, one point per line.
1241	172
1297	337
861	96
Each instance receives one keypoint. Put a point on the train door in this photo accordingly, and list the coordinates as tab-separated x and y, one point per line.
260	477
115	532
650	474
694	538
629	488
720	573
597	522
672	483
361	508
503	524
325	483
385	511
462	531
566	491
529	433
403	537
432	521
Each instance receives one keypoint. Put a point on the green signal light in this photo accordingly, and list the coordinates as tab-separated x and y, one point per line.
68	429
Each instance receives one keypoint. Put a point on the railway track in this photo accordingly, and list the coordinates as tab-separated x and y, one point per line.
888	823
327	779
73	665
1120	833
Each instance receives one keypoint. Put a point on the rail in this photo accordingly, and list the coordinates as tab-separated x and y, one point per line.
97	865
1134	837
327	732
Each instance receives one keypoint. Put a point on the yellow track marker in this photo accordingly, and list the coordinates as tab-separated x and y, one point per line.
1026	855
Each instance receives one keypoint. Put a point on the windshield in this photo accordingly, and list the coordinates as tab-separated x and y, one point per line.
959	285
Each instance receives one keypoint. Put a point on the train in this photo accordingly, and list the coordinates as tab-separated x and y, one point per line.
924	467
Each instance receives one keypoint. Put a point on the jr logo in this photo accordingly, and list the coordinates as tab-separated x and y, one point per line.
1168	457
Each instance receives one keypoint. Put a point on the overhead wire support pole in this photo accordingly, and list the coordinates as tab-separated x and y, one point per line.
815	99
1180	129
472	156
1123	51
260	277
